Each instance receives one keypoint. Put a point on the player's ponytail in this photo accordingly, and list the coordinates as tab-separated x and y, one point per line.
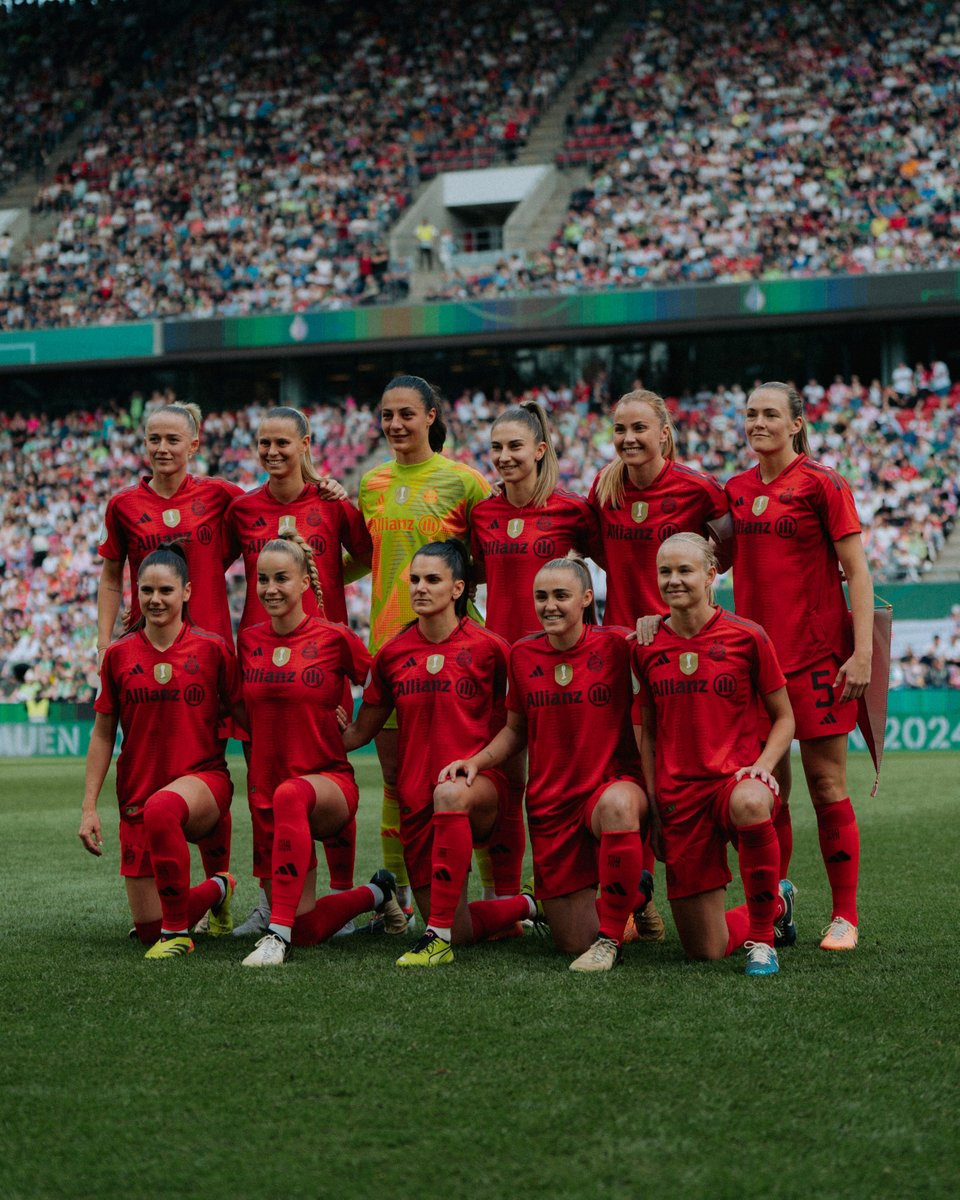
455	554
432	402
284	413
687	539
801	443
575	565
295	546
172	556
534	419
612	480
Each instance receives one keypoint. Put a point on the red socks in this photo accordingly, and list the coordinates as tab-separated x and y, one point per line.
164	817
759	853
507	845
738	928
784	827
840	847
293	802
330	914
205	895
452	851
621	861
341	851
490	917
215	847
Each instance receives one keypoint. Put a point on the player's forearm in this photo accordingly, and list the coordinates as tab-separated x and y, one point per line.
99	755
109	597
506	744
860	586
365	726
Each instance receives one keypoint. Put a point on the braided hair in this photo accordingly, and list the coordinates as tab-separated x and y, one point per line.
299	549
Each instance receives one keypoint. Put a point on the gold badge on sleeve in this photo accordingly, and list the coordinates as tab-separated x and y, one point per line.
163	672
515	527
760	505
689	662
639	511
288	524
171	517
563	673
281	656
434	663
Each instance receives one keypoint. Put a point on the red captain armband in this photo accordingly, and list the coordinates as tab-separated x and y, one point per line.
720	532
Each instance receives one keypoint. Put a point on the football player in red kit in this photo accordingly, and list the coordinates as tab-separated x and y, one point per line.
795	527
641	498
294	670
295	497
445	675
709	777
166	683
569	702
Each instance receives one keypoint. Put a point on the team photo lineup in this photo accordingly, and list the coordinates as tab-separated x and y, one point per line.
662	734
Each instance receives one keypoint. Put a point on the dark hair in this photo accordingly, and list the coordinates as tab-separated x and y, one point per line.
302	425
172	556
454	553
532	417
794	407
432	402
574	562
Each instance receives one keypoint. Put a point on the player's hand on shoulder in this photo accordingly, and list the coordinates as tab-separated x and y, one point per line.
331	489
647	628
126	619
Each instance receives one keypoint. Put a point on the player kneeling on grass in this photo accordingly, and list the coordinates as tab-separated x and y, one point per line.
702	679
294	672
569	703
446	676
166	684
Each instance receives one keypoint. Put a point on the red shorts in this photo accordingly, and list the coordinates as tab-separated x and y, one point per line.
816	707
261	819
135	853
696	830
416	831
565	854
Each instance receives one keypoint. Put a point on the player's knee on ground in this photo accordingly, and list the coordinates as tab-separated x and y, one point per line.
750	802
450	796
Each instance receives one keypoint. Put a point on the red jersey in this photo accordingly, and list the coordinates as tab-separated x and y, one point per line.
169	703
292	684
449	698
257	517
680	500
137	521
786	575
577	704
704	691
511	544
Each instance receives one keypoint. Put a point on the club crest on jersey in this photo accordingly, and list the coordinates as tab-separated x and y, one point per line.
288	524
515	527
429	495
760	505
281	656
171	517
639	511
401	495
435	663
563	674
689	662
163	672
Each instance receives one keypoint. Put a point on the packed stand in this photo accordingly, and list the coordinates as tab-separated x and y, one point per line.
937	666
259	157
56	477
732	141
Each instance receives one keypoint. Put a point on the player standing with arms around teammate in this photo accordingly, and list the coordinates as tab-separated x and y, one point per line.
569	702
709	777
416	498
795	527
295	497
445	676
294	670
640	498
166	683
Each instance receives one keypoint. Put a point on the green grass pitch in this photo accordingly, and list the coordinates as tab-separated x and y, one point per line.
502	1076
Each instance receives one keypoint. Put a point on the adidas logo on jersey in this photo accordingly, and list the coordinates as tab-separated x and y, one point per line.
259	523
143	519
536	673
739	502
258	653
829	719
411	662
137	670
661	660
494	524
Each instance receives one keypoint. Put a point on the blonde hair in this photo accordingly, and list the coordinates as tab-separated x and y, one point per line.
534	419
801	443
612	480
299	549
698	543
190	412
284	413
575	563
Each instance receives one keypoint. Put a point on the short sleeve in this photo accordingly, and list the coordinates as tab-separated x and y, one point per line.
108	697
838	510
769	677
355	658
113	544
354	535
378	691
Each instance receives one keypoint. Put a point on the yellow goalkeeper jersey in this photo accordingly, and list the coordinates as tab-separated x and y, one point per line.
405	507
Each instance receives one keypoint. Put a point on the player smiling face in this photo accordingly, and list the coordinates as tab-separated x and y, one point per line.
561	599
406	423
279	447
638	436
162	596
686	573
280	586
515	452
433	589
170	443
769	426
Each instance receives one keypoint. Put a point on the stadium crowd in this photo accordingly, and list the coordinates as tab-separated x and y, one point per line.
735	141
228	176
899	450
